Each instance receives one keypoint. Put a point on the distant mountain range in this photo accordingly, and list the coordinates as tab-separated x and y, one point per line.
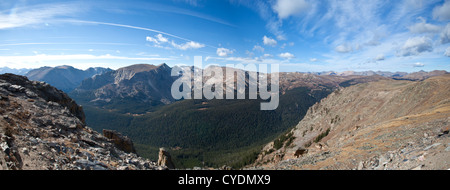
65	78
4	70
420	75
137	101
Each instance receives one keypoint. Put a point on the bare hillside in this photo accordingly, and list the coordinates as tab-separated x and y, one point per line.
387	124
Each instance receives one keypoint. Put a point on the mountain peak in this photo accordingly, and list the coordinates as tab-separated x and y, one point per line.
63	77
137	68
163	65
64	67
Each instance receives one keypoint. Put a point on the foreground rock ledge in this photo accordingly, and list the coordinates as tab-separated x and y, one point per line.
41	128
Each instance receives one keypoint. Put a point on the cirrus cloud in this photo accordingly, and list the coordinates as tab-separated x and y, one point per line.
447	52
287	8
37	14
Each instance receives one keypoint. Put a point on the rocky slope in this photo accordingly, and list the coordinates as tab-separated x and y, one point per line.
41	128
65	78
389	124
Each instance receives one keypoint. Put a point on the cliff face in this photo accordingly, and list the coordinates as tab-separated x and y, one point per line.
378	125
144	83
42	128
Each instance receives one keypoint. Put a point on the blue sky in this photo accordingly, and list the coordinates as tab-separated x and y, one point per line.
300	35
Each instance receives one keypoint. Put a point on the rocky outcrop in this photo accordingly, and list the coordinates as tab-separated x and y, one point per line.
164	159
20	85
122	142
389	124
41	128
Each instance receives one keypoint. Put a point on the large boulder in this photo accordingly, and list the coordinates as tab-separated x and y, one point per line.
165	159
122	142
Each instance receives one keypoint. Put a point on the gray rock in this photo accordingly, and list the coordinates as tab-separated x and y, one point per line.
30	93
431	146
5	147
16	88
360	165
25	151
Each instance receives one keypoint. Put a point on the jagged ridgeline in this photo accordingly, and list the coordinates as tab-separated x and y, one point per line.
136	101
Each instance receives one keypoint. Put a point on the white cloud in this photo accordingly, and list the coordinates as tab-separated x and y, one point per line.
447	52
287	8
286	55
313	59
416	45
344	48
258	48
267	55
161	38
187	45
442	12
418	64
150	39
269	41
224	52
380	57
424	27
158	39
445	35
